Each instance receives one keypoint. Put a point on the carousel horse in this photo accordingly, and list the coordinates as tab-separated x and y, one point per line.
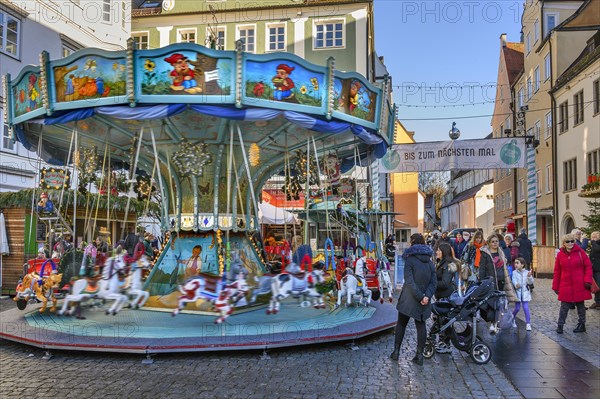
109	287
135	283
297	285
349	287
192	291
41	288
385	283
223	306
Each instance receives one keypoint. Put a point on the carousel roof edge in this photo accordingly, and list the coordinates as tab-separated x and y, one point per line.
91	78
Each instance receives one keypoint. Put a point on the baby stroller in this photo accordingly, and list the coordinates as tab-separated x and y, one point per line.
456	319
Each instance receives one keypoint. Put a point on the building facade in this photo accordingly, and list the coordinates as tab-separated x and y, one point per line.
510	67
578	139
313	30
60	29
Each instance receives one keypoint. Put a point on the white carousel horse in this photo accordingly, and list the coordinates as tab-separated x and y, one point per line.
301	284
192	291
135	287
109	288
349	287
223	306
385	283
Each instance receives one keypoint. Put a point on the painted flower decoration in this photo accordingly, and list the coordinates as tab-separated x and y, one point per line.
122	67
115	66
315	83
191	159
303	89
149	65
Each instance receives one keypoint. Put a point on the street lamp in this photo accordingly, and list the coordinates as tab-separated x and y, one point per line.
454	133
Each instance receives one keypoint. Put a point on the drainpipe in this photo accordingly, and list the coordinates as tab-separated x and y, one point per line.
555	223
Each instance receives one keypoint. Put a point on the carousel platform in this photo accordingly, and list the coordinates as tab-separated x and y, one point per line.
146	331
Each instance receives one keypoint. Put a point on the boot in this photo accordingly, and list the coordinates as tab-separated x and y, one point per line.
395	354
580	328
559	329
418	359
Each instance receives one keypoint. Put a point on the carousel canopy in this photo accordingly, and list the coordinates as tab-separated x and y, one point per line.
212	124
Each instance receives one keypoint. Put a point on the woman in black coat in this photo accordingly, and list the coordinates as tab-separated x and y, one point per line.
414	302
445	271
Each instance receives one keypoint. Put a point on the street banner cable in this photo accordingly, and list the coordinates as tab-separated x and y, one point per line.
504	153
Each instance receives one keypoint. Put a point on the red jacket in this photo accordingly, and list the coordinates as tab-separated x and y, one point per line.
571	271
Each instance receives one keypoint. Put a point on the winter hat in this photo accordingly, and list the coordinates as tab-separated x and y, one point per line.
509	236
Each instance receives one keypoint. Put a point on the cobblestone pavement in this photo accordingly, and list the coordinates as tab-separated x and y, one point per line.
326	370
544	315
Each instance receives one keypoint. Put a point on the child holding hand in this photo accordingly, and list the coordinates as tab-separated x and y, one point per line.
521	278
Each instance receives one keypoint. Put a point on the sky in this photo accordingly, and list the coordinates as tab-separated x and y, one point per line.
444	53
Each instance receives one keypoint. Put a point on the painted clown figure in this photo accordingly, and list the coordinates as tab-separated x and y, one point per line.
353	98
283	84
182	75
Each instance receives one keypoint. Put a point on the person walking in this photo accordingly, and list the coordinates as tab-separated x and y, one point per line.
579	239
572	281
448	278
522	279
458	246
525	247
414	302
475	258
443	239
595	259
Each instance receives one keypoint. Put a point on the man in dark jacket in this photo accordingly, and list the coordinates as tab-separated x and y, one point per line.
131	240
595	258
443	239
415	299
525	248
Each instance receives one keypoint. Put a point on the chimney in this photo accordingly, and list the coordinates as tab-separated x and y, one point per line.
503	40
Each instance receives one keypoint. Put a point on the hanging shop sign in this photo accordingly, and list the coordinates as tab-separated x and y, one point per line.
52	178
506	153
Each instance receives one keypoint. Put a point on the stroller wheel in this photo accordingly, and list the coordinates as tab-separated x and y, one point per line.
481	353
429	350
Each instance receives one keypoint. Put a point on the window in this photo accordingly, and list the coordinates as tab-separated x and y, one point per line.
547	67
501	131
521	190
67	50
497	201
528	44
140	40
551	22
246	35
7	143
548	125
123	13
10	30
570	174
536	30
538	183
509	199
215	38
521	99
275	37
537	130
596	101
563	113
329	34
186	35
578	112
106	10
529	89
536	79
593	162
549	178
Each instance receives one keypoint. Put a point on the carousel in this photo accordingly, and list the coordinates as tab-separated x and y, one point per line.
200	132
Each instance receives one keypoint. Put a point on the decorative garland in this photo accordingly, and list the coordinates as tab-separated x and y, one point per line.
220	251
191	159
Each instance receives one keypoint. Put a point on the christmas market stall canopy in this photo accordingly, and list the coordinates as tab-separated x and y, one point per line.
211	127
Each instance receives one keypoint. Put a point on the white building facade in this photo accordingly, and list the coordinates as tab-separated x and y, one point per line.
60	28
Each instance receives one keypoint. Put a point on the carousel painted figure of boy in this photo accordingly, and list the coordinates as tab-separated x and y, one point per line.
45	205
282	83
182	75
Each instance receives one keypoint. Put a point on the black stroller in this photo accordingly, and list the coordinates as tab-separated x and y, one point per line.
456	319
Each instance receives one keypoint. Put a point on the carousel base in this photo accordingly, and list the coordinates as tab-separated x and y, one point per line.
146	331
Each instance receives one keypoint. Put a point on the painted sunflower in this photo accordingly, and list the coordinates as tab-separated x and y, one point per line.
303	89
149	65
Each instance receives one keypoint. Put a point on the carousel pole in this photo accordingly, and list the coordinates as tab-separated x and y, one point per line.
307	193
76	176
229	173
131	178
250	186
158	175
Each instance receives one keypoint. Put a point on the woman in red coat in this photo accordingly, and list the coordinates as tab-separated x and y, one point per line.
572	281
